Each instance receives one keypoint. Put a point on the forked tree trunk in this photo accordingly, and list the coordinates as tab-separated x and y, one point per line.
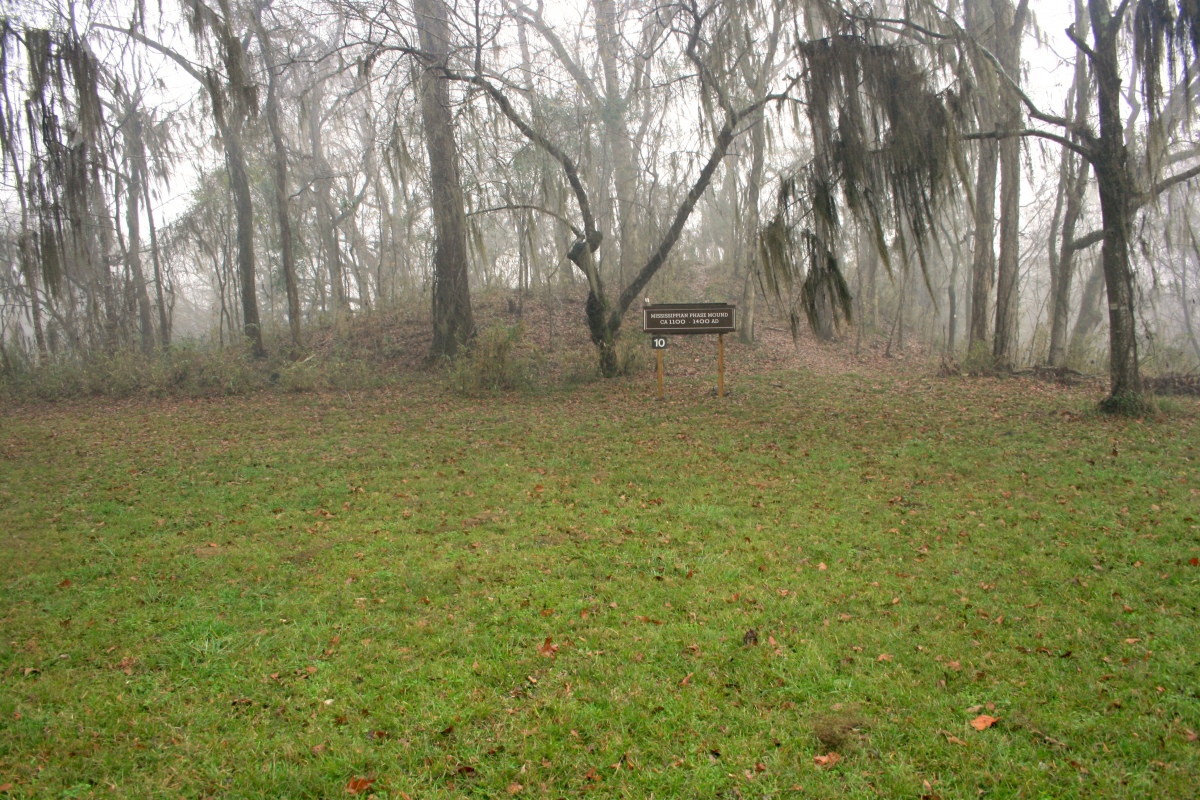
453	324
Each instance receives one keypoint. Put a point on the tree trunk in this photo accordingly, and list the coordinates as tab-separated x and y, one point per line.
327	221
28	260
164	324
244	213
453	324
952	299
136	165
1076	177
1090	315
750	223
1116	209
981	22
1010	24
279	175
751	219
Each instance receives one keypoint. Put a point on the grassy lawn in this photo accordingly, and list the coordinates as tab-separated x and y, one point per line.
409	594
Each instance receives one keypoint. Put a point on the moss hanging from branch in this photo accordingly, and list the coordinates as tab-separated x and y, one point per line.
885	150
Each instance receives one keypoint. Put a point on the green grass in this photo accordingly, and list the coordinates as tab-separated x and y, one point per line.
276	595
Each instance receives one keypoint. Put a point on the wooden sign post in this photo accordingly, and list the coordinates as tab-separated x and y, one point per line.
659	343
676	319
720	365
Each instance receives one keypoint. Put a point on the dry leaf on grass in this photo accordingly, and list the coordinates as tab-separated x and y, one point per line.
983	722
357	785
827	760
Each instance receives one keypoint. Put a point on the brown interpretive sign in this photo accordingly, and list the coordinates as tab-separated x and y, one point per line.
688	318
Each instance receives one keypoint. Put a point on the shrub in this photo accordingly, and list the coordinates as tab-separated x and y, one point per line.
631	355
979	360
492	363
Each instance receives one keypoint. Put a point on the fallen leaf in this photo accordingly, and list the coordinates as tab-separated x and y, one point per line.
827	760
822	566
357	785
547	648
1190	735
66	582
6	787
983	722
952	739
515	788
884	657
1195	562
895	601
1132	641
687	679
317	749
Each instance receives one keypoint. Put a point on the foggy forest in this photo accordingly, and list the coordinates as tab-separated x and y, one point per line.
240	173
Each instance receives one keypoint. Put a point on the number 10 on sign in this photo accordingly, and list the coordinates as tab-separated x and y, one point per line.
658	344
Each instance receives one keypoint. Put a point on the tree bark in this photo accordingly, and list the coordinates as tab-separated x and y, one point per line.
1075	177
1010	24
619	142
164	323
453	324
136	166
750	223
327	222
1090	315
239	181
1116	186
981	22
279	172
751	219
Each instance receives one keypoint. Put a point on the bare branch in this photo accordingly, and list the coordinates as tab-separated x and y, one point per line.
528	207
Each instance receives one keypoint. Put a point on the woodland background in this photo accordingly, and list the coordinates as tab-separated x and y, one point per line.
201	180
